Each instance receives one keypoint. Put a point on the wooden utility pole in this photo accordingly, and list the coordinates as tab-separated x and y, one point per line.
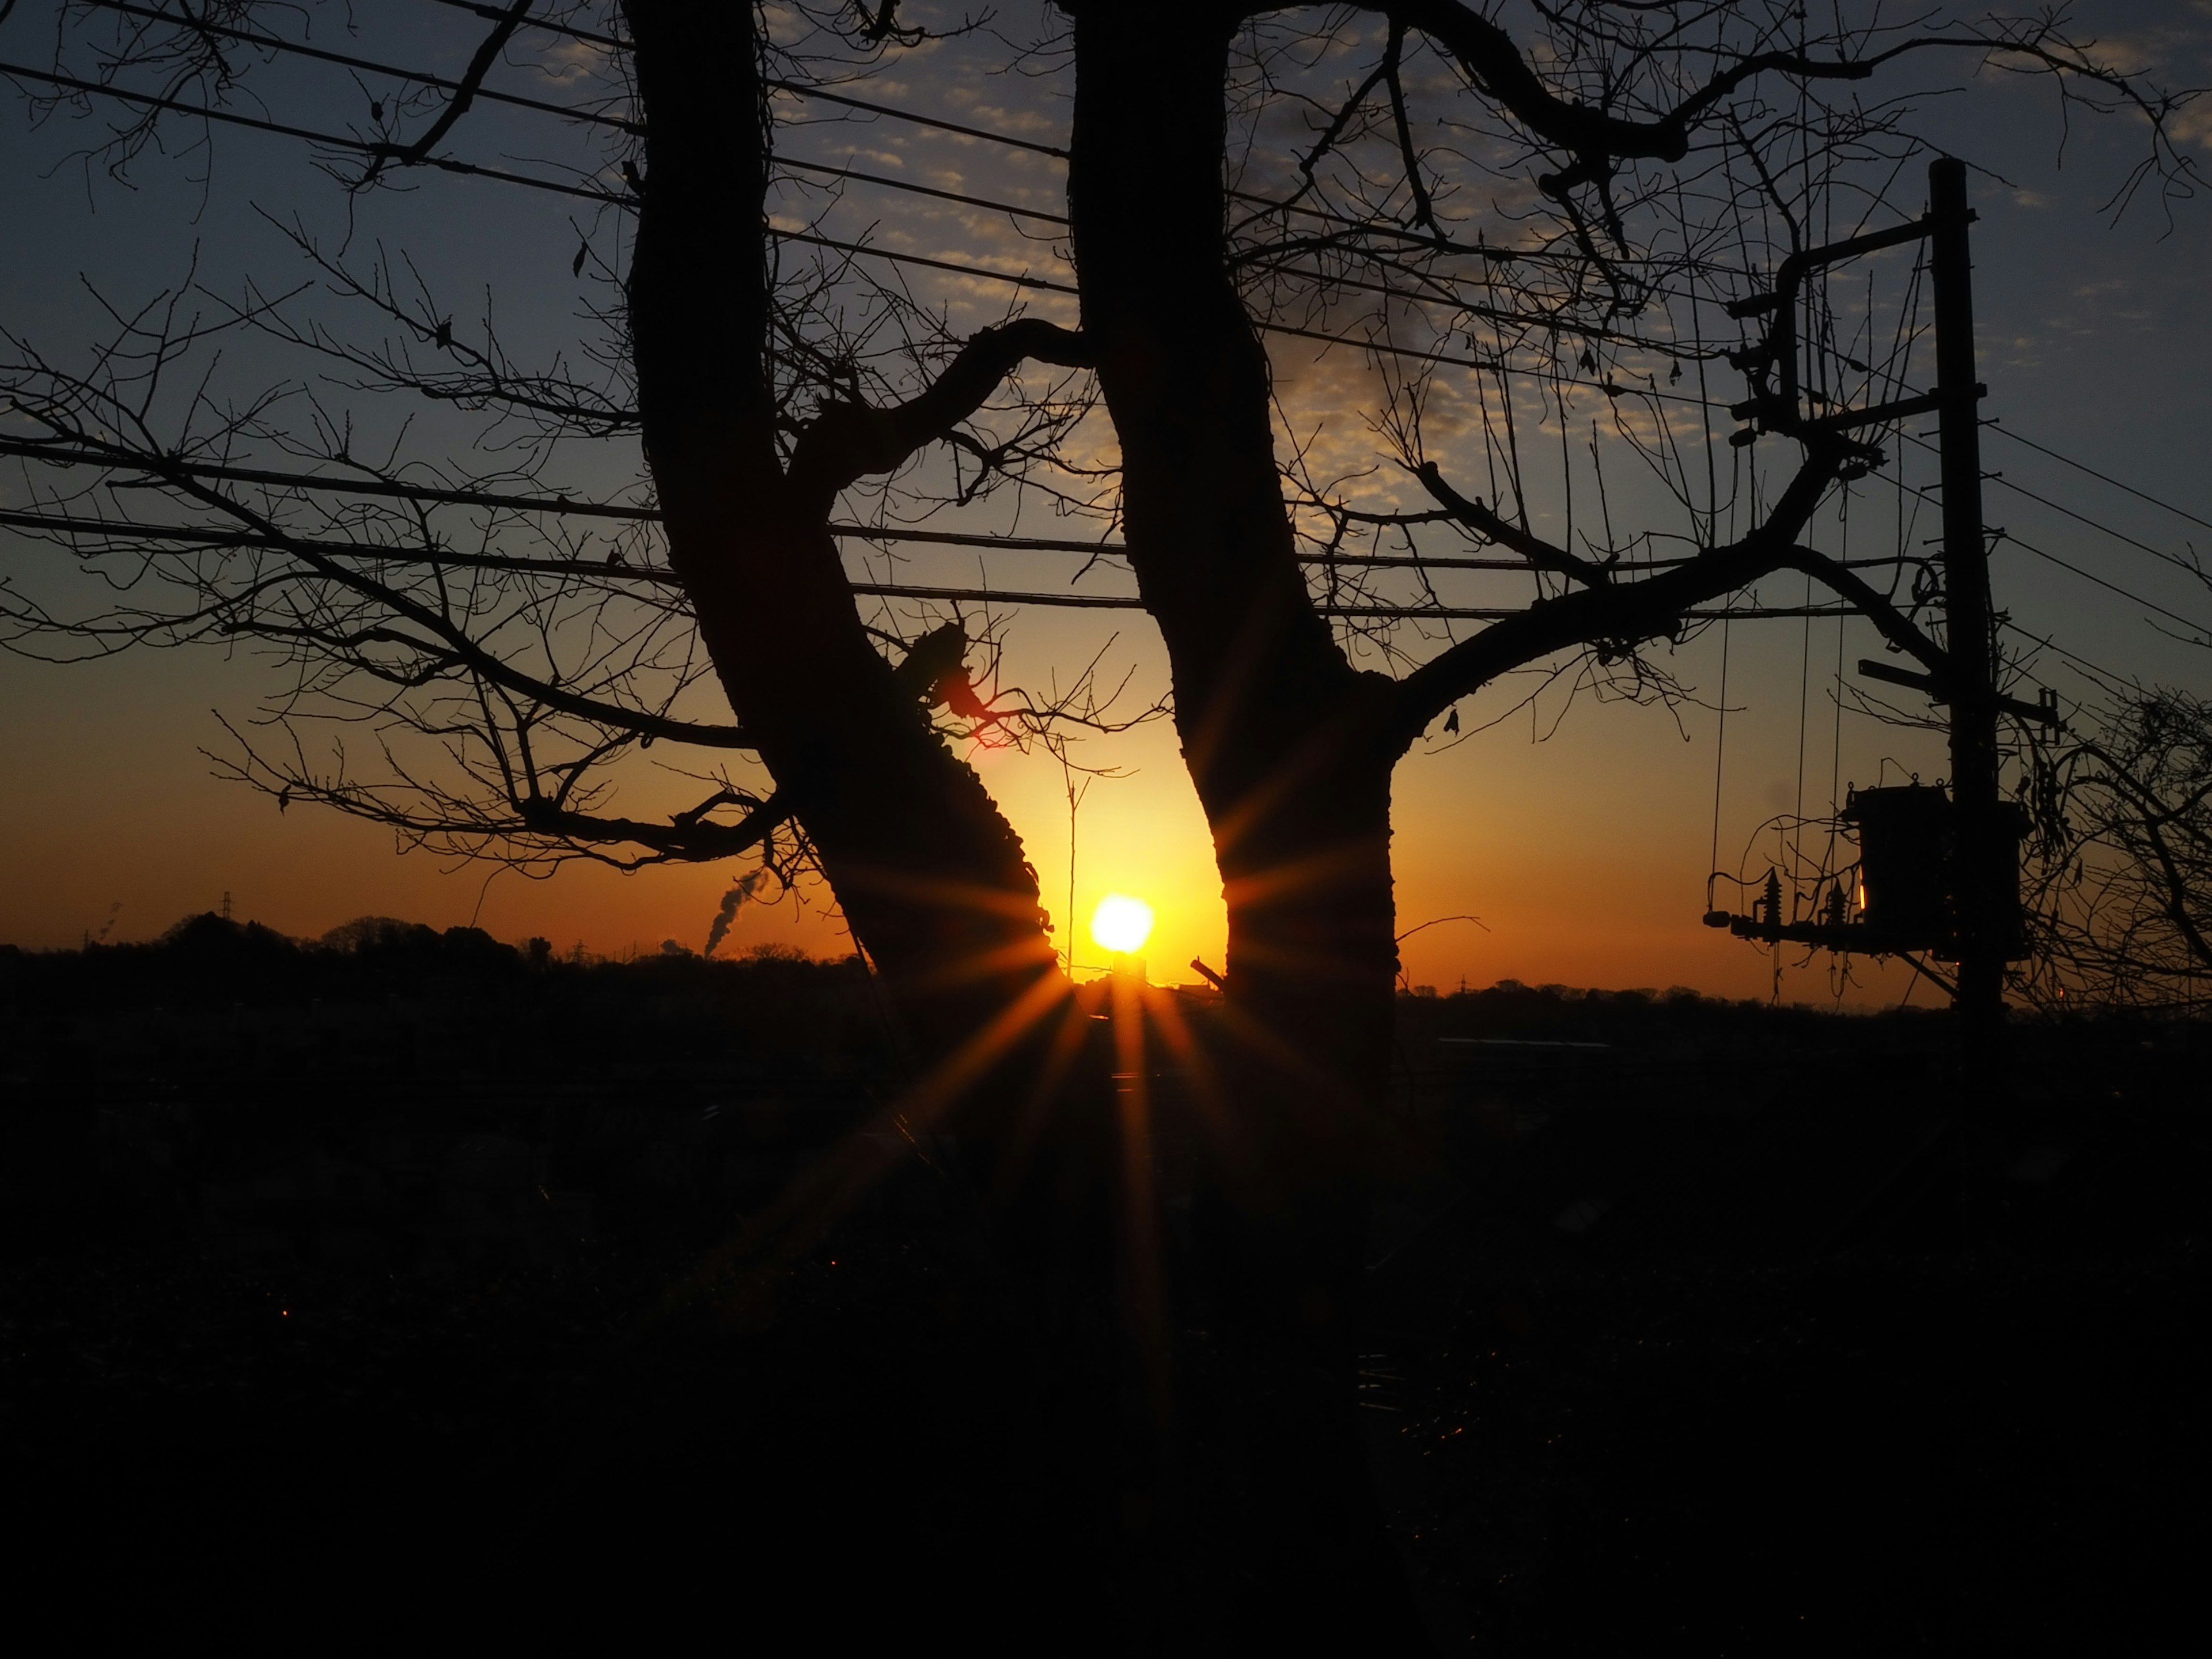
1984	863
1981	921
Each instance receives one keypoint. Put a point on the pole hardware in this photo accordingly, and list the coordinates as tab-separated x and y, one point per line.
2044	711
1962	848
1774	408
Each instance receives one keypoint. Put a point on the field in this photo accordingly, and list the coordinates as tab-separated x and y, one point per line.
377	1286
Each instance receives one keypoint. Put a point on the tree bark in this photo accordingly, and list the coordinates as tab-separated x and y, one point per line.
928	872
1286	746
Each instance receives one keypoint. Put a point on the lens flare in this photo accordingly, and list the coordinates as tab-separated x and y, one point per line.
1121	924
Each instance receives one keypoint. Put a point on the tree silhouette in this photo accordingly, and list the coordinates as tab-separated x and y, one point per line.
2119	868
1508	223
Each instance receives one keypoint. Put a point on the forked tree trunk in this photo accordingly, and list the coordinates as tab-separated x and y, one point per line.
1270	1522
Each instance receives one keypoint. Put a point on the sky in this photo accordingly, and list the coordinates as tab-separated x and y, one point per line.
1578	838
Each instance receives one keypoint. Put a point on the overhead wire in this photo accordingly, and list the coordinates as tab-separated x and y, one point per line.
346	60
278	43
455	166
2003	431
2113	587
335	140
124	529
2025	546
2003	483
563	505
492	14
377	147
2110	679
387	149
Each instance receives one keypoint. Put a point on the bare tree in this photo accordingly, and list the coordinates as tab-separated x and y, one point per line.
1680	149
1525	228
500	643
2120	867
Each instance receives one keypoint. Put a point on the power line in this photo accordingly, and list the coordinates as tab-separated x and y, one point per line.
2112	587
491	14
616	43
1252	198
1432	243
446	164
1408	353
1373	612
1492	314
133	530
1365	226
344	60
987	542
563	505
1999	479
2029	547
560	505
2158	553
2112	679
913	189
277	43
828	97
896	257
126	528
283	480
300	49
359	146
386	150
2101	477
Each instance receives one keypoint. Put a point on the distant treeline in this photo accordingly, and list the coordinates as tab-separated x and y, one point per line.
206	962
206	959
1512	1011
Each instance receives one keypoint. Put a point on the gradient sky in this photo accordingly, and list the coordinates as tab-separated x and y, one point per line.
1584	854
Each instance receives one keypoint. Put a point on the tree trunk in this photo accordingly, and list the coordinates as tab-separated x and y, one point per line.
1287	748
1269	1523
929	873
1287	743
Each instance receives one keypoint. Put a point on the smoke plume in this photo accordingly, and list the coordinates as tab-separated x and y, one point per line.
728	913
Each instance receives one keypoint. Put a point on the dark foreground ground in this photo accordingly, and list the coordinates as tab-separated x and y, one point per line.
342	1304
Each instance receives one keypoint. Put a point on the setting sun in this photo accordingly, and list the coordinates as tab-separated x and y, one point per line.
1120	923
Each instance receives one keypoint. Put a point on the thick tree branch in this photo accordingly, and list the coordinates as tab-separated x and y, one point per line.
1498	69
848	442
1486	524
686	839
1632	610
1489	59
1870	602
533	829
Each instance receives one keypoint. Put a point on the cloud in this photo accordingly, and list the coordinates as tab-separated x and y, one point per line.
564	63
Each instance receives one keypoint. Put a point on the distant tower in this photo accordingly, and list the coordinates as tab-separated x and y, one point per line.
226	904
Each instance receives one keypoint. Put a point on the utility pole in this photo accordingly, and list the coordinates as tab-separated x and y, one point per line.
1984	864
1978	923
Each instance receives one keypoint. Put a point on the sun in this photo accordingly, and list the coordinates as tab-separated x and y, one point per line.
1121	924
